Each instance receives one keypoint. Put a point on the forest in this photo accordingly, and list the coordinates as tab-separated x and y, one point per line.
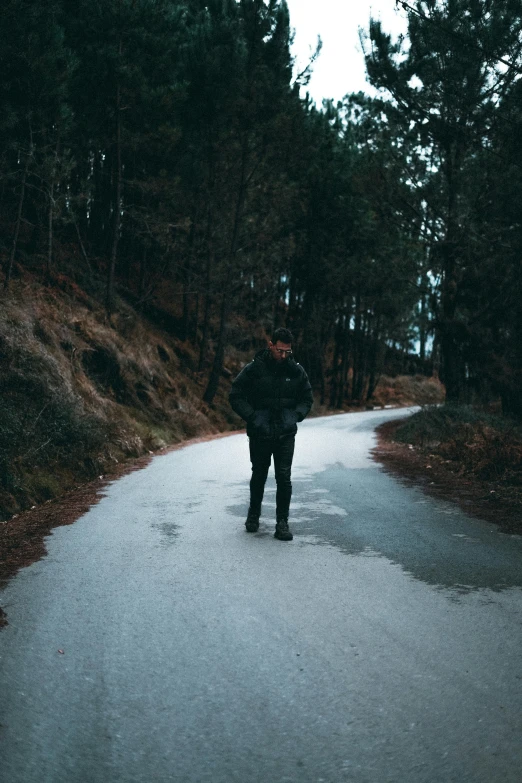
167	152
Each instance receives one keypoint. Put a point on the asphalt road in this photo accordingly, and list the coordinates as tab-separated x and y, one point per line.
382	645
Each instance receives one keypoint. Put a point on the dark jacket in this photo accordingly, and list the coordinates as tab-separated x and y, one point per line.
271	396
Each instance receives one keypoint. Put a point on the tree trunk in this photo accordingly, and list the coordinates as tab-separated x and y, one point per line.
82	246
338	342
374	361
450	364
321	381
142	275
292	294
450	342
118	182
187	281
344	361
357	353
277	299
325	340
50	215
217	366
99	209
362	357
194	336
50	211
14	246
185	317
206	314
422	329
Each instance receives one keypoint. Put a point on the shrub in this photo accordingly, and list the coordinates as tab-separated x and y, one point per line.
41	425
486	445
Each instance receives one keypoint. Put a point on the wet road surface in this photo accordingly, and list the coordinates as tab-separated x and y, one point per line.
382	645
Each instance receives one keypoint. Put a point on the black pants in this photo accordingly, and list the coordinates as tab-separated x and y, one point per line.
261	451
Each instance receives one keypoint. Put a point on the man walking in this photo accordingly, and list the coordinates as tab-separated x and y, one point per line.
272	394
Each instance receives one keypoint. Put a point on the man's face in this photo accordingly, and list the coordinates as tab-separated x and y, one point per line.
280	351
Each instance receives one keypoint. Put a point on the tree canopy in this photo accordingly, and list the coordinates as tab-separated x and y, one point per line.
168	146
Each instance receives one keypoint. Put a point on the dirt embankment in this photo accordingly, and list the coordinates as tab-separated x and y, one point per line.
79	395
472	463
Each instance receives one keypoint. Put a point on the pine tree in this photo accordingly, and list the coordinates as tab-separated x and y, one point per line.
127	75
36	70
445	87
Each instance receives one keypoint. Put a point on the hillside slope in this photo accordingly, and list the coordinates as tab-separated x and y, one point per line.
78	395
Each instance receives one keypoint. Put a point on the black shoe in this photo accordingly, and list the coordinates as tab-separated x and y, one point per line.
282	531
252	521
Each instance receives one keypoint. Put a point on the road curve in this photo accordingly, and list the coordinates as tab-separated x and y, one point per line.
158	641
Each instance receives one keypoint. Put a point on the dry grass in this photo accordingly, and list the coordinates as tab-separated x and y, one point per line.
408	390
476	442
486	452
463	453
482	486
79	395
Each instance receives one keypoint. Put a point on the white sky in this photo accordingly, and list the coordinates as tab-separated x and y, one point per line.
340	67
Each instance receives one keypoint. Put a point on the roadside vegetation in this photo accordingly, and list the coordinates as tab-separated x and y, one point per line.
471	441
463	453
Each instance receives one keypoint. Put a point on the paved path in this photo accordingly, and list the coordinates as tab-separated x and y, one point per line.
383	645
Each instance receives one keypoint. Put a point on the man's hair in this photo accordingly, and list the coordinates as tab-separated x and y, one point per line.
283	335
